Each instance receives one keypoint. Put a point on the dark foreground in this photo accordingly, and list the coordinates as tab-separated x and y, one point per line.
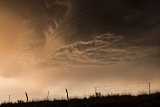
143	100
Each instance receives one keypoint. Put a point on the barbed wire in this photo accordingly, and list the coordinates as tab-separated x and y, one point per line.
135	88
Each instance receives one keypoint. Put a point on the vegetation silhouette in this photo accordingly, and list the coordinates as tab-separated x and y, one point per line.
126	100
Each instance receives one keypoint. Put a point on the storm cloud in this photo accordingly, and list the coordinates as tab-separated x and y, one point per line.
68	40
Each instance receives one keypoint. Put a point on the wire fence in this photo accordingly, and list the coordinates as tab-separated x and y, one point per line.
133	89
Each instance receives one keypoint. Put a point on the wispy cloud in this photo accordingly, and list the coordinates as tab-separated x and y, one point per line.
101	50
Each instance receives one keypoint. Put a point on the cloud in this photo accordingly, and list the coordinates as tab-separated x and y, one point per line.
63	43
31	25
78	33
101	50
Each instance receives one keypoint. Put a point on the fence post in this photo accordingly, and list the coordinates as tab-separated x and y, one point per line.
48	96
9	98
149	88
67	94
26	97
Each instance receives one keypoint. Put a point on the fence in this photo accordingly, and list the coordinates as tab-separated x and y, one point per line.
133	89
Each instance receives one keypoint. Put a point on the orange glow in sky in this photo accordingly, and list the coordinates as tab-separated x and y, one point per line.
51	45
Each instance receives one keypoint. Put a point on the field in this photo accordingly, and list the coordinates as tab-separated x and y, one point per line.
141	100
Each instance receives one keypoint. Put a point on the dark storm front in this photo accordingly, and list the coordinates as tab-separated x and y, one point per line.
55	45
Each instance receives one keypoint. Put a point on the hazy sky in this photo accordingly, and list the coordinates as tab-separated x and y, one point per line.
58	44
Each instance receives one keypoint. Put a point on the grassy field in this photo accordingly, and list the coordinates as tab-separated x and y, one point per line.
143	100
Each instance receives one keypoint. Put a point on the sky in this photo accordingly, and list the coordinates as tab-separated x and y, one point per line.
58	44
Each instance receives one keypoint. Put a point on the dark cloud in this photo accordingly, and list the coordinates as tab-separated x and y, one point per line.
136	21
92	32
78	43
90	18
